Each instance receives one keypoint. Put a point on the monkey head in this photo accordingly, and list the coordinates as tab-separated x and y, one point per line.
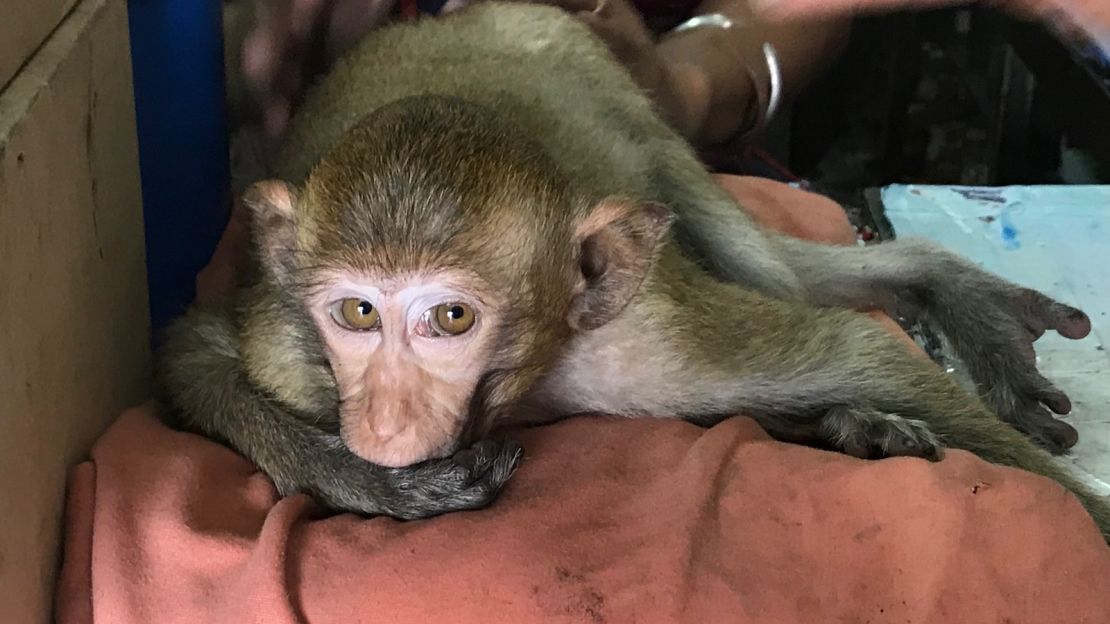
438	262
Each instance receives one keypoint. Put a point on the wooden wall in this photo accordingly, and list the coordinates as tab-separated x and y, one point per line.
73	307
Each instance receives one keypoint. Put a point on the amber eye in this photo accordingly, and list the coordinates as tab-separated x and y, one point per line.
356	314
452	319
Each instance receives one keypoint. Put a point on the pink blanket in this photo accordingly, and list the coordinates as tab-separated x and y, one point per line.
606	521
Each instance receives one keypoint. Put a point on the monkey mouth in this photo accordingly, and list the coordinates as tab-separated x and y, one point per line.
407	447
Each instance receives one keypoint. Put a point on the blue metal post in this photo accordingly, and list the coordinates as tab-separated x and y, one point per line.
177	63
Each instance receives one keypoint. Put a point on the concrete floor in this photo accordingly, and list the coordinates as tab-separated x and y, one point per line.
1055	239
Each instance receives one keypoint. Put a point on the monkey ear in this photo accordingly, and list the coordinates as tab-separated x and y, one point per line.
617	248
273	225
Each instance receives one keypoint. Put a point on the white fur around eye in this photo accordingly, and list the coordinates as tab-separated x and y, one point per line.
405	305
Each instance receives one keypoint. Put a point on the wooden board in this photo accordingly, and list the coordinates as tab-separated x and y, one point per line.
25	25
73	307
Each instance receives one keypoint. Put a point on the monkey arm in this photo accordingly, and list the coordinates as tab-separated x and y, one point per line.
201	378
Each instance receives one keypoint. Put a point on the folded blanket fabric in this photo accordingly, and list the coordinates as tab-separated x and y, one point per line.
607	520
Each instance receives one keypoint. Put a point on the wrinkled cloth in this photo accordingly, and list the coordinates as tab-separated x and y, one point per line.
607	520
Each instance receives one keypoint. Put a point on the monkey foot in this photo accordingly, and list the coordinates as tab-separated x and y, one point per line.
872	434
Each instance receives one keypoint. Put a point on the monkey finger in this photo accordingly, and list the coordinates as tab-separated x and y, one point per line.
1061	434
507	461
487	458
1050	432
1052	397
1071	322
466	466
1041	311
484	453
855	447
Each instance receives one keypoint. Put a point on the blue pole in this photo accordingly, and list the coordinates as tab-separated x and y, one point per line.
177	65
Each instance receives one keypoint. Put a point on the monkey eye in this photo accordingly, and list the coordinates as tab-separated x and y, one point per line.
450	319
355	314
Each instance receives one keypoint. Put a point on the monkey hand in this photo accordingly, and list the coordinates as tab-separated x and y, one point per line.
470	479
992	325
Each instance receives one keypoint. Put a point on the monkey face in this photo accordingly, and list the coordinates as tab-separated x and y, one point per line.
407	352
435	328
444	263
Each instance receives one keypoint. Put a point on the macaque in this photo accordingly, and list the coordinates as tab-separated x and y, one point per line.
480	221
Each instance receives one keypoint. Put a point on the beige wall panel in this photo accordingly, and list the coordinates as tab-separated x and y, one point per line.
25	25
73	307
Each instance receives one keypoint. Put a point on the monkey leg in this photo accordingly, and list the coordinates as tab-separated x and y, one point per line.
870	434
901	404
1001	444
936	411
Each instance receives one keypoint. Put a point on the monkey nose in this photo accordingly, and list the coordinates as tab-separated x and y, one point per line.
387	428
